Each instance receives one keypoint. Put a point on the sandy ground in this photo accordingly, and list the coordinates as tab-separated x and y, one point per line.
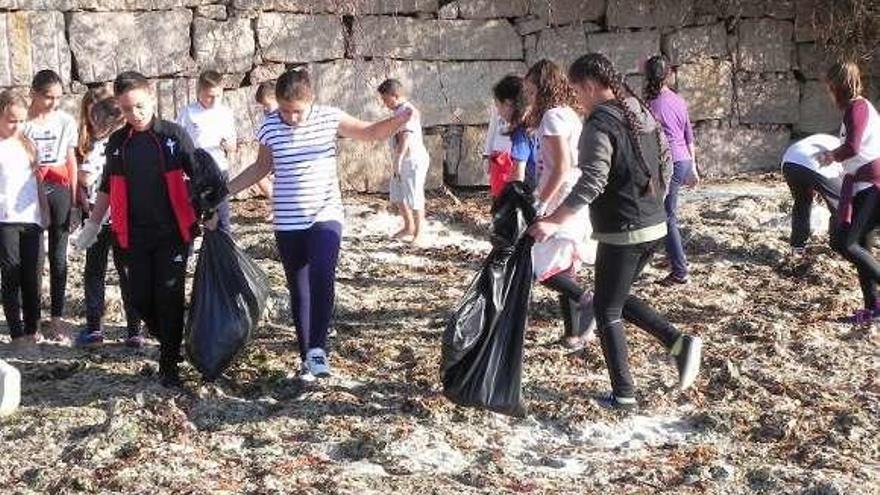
787	401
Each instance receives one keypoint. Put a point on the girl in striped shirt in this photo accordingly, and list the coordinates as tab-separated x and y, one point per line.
298	143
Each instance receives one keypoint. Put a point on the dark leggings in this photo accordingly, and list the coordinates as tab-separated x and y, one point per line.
617	268
851	242
59	198
94	280
309	258
20	253
803	184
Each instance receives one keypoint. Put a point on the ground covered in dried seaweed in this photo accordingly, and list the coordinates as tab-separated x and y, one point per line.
788	400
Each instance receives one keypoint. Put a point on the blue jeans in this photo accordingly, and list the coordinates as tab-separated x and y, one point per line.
674	249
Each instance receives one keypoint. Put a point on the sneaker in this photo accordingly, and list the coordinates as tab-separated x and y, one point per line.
169	376
611	401
687	352
305	374
316	360
672	280
88	337
798	250
135	341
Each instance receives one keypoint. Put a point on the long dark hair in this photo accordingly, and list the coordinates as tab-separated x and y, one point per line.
657	72
510	88
554	90
596	67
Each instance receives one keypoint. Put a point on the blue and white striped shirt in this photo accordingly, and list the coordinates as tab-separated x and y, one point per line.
306	186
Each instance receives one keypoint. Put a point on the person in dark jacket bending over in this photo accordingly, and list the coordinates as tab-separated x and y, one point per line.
146	183
625	165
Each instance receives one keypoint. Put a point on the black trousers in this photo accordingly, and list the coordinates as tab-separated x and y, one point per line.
94	280
617	268
20	261
157	277
804	184
570	294
60	203
852	242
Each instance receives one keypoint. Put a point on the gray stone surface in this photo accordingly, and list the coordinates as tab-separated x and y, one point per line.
407	38
366	166
693	43
812	61
558	12
100	5
707	86
626	50
248	114
351	7
216	12
779	9
654	13
723	150
154	43
300	38
770	99
817	112
29	42
765	45
464	156
562	44
173	95
266	72
490	9
225	46
807	17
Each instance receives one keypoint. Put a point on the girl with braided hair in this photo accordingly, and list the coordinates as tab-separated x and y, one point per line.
557	127
671	111
624	162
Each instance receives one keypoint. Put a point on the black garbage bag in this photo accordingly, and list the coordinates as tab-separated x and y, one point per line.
228	298
483	342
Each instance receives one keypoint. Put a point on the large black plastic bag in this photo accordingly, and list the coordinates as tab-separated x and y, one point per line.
228	298
483	341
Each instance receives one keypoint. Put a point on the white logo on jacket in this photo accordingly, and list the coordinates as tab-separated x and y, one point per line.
170	144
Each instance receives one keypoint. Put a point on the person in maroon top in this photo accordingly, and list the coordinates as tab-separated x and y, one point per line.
859	211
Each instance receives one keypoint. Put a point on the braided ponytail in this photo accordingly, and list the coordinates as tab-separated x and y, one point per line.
597	67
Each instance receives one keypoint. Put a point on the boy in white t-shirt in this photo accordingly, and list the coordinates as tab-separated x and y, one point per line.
410	162
211	125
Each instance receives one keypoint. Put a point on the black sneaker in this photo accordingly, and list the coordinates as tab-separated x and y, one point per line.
687	360
169	376
672	280
610	401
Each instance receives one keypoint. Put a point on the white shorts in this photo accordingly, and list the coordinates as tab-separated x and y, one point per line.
408	187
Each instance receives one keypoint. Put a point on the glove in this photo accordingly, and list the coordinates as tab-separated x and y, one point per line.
87	235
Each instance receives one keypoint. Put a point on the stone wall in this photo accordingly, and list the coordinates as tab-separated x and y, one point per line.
749	69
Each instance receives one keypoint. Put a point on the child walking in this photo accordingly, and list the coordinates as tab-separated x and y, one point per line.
409	161
859	154
54	134
298	142
146	187
671	112
624	163
512	105
23	215
211	126
105	117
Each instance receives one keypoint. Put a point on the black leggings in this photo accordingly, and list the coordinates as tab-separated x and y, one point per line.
851	242
570	294
94	278
20	260
617	268
59	198
803	184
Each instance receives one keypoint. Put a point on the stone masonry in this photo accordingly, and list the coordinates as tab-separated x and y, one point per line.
750	70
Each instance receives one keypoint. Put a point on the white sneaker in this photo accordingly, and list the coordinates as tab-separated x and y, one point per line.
305	375
316	360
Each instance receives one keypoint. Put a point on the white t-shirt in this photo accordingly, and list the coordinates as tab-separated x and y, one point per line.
417	154
802	153
19	196
306	184
53	137
208	127
496	140
563	122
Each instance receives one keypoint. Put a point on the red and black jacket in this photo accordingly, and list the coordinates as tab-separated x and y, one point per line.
190	178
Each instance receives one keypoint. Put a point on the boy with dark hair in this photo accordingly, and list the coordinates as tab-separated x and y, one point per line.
155	188
211	125
410	162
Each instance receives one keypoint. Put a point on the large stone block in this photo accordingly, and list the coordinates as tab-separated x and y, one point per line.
349	7
561	44
651	13
100	5
407	38
809	17
173	95
485	9
778	9
248	114
812	61
765	45
467	90
154	43
817	112
559	12
366	166
464	162
707	86
225	46
281	37
767	99
724	150
29	42
266	72
626	50
690	44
